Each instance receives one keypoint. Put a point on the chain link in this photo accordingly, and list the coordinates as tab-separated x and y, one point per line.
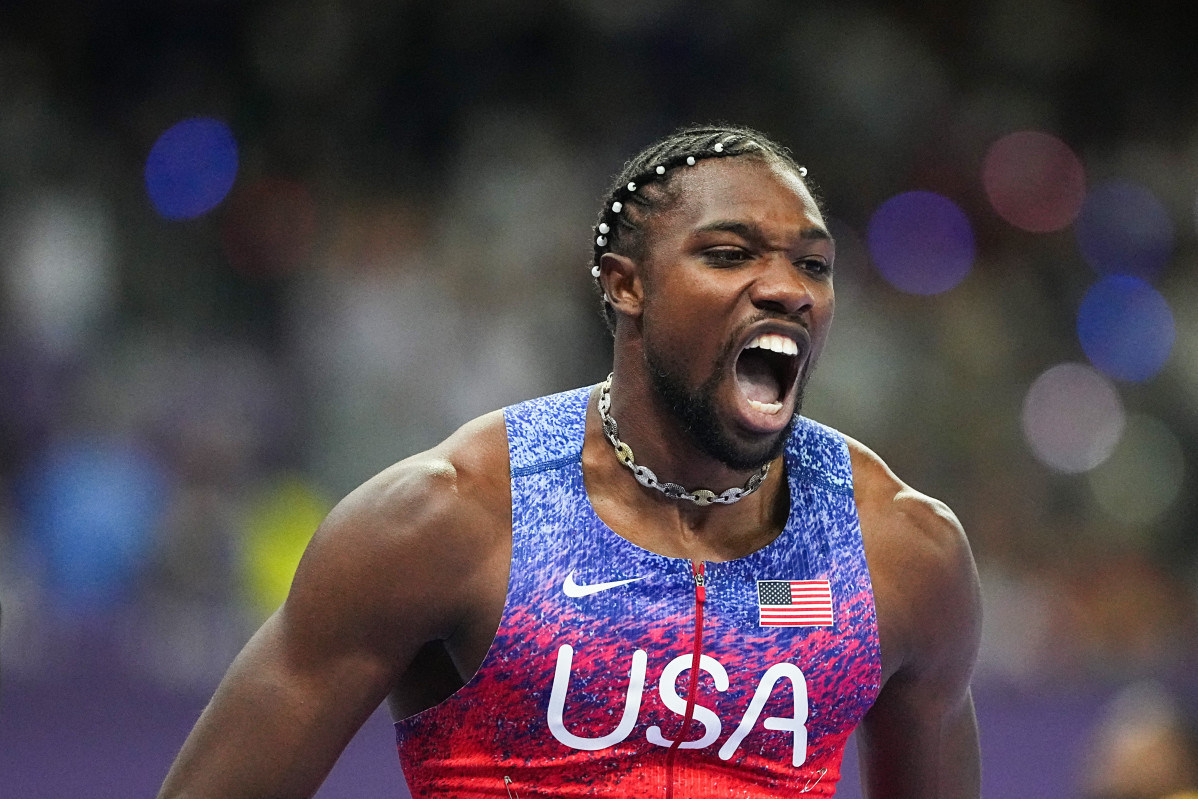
645	476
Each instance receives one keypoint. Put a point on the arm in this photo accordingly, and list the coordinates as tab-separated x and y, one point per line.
920	739
370	591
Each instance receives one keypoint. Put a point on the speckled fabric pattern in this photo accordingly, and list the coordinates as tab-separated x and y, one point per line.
585	686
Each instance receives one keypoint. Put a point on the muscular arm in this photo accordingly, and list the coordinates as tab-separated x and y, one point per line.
370	591
920	739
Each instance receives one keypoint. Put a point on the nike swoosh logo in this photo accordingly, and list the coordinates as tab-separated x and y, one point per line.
573	589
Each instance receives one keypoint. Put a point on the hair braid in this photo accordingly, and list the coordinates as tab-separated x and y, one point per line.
643	185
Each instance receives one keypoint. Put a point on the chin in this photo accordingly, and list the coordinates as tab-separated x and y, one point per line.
743	458
695	410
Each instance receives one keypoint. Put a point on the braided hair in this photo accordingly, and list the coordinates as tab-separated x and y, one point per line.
643	186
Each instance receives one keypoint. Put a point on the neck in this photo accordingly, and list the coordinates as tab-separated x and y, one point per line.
701	497
656	435
672	527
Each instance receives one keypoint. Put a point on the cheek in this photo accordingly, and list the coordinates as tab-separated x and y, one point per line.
681	311
686	335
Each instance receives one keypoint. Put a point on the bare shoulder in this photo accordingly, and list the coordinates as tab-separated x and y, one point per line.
396	537
436	492
924	577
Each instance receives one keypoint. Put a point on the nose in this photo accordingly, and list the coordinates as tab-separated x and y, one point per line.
782	287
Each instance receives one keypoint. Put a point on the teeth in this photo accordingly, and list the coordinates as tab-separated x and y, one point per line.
774	343
765	407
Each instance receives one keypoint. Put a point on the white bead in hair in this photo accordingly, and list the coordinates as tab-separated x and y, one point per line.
603	228
802	171
616	206
719	147
690	160
595	271
601	241
661	170
632	187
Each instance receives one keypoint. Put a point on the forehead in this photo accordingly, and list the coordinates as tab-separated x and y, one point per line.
767	193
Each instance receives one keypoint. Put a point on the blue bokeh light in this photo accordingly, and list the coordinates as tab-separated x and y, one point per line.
1126	328
92	508
1123	229
921	242
191	167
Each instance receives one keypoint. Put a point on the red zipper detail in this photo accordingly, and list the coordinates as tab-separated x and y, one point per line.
699	571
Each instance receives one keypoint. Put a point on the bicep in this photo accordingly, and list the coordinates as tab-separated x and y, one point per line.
920	739
918	744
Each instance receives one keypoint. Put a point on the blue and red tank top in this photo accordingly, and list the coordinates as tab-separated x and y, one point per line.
618	672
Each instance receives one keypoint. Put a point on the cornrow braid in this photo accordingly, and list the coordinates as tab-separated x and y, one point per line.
643	186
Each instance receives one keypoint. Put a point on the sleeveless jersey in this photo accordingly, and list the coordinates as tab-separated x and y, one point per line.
618	672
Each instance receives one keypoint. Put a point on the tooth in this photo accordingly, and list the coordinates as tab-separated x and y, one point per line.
765	407
774	343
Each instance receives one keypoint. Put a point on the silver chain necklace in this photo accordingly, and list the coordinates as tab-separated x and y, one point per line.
645	476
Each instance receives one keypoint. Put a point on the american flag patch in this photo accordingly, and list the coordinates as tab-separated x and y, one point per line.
794	603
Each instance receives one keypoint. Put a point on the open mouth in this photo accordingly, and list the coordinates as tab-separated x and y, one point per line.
766	370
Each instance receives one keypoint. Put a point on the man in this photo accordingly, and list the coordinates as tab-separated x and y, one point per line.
553	605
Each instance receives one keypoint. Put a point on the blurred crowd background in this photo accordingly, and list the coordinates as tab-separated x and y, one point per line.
250	254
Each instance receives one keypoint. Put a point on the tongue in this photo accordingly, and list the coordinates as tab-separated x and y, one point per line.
756	378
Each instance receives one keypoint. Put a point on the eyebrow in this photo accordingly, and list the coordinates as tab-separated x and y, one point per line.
754	233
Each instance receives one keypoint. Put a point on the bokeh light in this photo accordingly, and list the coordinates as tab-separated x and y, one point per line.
921	242
92	508
1034	181
279	524
1143	476
1072	418
1126	328
191	167
1124	229
60	277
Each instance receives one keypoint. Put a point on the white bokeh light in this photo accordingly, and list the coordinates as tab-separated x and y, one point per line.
1072	418
60	279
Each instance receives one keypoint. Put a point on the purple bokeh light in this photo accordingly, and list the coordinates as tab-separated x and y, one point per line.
1124	229
1126	328
921	242
191	168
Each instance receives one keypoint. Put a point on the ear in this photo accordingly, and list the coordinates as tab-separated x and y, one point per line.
622	283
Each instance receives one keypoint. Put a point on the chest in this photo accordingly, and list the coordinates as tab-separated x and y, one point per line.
627	647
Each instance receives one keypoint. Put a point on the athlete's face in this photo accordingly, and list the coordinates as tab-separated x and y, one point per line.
737	303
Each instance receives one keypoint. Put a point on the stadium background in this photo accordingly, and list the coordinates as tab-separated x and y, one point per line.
253	253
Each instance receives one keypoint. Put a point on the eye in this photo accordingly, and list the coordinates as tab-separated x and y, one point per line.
816	266
726	256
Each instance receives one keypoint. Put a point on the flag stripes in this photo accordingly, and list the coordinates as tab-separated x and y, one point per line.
794	603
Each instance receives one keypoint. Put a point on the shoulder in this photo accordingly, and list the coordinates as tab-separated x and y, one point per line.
464	476
398	535
923	573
